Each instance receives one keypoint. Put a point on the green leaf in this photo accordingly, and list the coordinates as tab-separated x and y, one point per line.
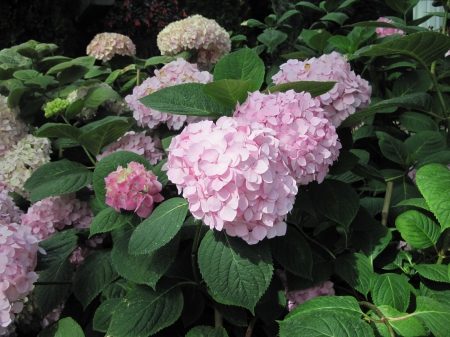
441	157
229	92
244	65
109	130
309	5
331	5
67	327
293	253
416	122
435	272
345	163
58	130
144	268
236	273
418	101
97	95
391	289
104	313
287	15
143	311
254	23
372	242
235	315
162	225
434	183
185	99
42	81
14	96
314	88
425	143
406	327
417	229
401	192
341	42
107	220
368	172
336	200
71	74
402	6
392	148
319	41
207	331
58	247
56	178
25	75
109	164
416	202
424	47
74	108
411	82
435	315
272	38
339	18
158	60
112	77
356	269
93	274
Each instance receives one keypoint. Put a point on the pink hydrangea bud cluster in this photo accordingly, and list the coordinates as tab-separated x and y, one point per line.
134	189
78	255
48	215
12	129
173	73
233	177
21	160
146	146
105	45
308	141
195	34
18	249
386	31
9	212
297	297
53	316
350	94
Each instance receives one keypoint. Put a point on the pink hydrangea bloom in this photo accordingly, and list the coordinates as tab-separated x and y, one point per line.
297	297
9	212
386	31
195	34
105	45
233	177
146	146
133	189
48	215
308	141
53	316
403	245
18	249
12	129
447	53
173	73
350	94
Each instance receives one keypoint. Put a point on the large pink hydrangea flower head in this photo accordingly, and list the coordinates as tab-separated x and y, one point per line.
233	177
308	140
176	72
386	31
105	45
134	189
12	128
350	94
139	143
197	34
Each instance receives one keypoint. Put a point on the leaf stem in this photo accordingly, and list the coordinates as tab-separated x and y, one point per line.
218	320
445	246
387	203
138	74
89	155
250	327
317	243
379	314
194	252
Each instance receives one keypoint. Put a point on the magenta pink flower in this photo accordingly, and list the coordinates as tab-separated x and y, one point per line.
386	31
173	73
133	189
350	94
105	45
233	177
308	141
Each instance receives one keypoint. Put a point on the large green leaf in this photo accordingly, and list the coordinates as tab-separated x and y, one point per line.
67	327
243	65
207	331
236	273
109	219
72	74
392	148
58	130
416	122
144	311
272	38
185	99
339	18
425	143
411	82
435	272
391	289
434	183
435	315
93	274
162	225
417	229
97	95
229	92
104	313
372	242
314	88
356	269
58	247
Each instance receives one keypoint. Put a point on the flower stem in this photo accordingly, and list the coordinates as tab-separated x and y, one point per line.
218	320
379	314
387	203
194	252
250	327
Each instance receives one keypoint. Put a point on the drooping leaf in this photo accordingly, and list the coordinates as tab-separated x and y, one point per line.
417	229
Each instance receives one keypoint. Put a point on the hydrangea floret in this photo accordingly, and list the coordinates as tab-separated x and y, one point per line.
105	45
308	141
56	106
350	94
12	128
173	73
198	34
386	31
9	212
134	189
233	177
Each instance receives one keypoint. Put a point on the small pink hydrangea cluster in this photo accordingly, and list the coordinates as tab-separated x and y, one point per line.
233	177
18	249
134	189
12	129
386	31
146	146
297	297
105	45
308	141
48	215
9	212
173	73
195	33
53	316
351	92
